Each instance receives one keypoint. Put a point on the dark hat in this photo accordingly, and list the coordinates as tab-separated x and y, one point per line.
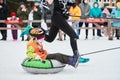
21	3
37	32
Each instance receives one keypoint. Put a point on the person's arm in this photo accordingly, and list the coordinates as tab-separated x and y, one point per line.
19	12
88	11
113	13
90	14
5	9
101	14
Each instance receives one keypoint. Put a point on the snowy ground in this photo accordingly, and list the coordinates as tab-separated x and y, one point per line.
102	66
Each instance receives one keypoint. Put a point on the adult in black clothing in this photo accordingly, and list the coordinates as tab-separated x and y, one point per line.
58	21
3	16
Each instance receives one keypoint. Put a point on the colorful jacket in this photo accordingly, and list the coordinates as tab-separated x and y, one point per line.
75	11
96	12
33	50
115	14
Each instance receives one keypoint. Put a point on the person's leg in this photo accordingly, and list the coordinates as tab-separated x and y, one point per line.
15	34
117	33
66	28
74	27
58	22
3	32
12	31
22	36
99	32
80	25
86	25
52	33
64	36
63	59
77	28
60	57
93	30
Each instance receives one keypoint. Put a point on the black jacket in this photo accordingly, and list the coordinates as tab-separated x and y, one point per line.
62	7
3	11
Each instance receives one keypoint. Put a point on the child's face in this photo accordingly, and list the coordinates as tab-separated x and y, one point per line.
40	40
13	16
96	5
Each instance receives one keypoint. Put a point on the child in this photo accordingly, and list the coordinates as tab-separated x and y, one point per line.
35	48
96	12
14	32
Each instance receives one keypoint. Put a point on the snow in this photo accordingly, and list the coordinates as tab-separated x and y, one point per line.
102	66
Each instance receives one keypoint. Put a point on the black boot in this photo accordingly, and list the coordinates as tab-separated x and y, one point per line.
22	38
73	61
64	36
4	39
117	37
86	37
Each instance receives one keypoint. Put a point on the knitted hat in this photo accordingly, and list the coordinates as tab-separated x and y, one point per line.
35	32
21	3
12	14
38	33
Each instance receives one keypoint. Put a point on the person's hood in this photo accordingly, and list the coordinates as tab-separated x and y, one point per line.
95	3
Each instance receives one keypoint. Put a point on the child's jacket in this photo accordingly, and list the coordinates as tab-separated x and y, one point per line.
33	50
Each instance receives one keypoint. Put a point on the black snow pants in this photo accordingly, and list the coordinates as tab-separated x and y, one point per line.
59	22
60	57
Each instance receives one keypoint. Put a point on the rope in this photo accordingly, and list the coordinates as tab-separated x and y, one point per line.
100	51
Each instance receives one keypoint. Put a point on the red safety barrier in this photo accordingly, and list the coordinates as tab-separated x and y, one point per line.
95	20
14	22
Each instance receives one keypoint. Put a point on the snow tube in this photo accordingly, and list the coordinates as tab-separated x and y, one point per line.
42	67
